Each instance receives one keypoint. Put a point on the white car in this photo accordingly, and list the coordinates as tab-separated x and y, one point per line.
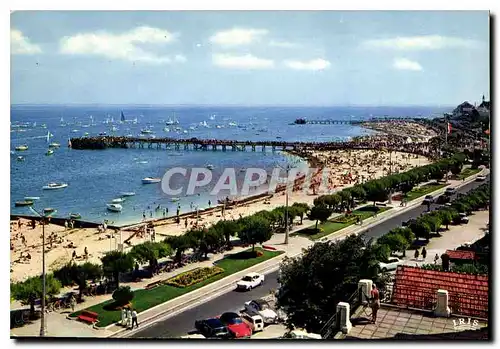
392	264
250	281
262	308
480	178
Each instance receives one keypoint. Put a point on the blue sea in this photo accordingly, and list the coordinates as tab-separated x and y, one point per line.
95	177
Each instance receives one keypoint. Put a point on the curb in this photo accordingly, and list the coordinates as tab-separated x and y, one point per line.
262	268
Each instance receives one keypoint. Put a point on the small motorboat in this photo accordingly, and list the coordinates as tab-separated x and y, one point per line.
117	201
114	207
102	134
51	186
54	145
146	131
49	152
49	210
210	166
20	158
24	203
31	198
150	180
127	193
174	199
75	216
22	147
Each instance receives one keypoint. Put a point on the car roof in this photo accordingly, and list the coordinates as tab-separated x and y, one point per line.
214	323
230	315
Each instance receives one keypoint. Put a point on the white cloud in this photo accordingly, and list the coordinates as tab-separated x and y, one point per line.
124	46
429	42
314	64
180	58
406	64
283	44
20	44
237	36
241	62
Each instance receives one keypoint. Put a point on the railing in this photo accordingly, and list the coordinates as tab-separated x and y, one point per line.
331	326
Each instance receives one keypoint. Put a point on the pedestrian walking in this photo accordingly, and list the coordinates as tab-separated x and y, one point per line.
65	225
416	254
436	258
424	253
134	318
72	302
375	302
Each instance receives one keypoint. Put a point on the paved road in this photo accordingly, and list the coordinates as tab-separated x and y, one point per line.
183	323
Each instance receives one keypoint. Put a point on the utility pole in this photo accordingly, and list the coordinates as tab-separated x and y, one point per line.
286	205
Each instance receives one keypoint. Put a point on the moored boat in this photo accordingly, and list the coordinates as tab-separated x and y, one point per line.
127	193
22	147
174	199
49	152
31	198
150	180
210	166
49	210
24	203
114	207
54	186
20	158
117	201
75	216
54	145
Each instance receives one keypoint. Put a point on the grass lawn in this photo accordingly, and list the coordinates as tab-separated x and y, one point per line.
330	227
467	172
424	190
145	299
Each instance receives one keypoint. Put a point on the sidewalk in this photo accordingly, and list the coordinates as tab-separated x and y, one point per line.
58	324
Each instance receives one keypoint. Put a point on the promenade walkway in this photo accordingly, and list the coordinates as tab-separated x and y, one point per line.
58	325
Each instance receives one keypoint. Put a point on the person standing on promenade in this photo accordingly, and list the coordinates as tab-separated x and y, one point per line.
134	319
375	302
424	253
416	254
436	258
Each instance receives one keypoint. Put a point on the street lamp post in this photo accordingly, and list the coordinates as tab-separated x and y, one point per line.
43	327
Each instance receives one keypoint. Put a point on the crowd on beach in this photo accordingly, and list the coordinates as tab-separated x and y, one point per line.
350	162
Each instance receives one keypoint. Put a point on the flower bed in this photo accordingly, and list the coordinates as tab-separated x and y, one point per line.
348	219
194	276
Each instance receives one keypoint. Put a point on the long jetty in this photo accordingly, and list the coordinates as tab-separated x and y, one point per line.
355	122
104	142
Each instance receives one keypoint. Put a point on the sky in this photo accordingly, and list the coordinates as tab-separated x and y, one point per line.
250	58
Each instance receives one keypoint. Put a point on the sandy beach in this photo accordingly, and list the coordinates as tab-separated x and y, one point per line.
415	131
345	168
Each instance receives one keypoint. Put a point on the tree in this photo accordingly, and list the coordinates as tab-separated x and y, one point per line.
313	283
345	198
319	213
446	217
116	262
180	244
82	273
227	228
255	230
302	209
395	241
434	222
375	191
358	192
406	187
421	229
31	289
333	201
150	252
123	295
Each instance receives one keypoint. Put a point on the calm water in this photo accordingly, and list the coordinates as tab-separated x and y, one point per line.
97	177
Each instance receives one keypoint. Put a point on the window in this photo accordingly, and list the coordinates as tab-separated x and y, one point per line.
247	278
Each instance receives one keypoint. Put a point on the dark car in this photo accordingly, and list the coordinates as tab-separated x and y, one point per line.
443	199
429	199
450	191
212	328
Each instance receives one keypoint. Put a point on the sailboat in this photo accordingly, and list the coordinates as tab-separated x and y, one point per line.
53	144
122	116
212	117
62	122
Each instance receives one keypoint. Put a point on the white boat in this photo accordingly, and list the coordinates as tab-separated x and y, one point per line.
20	158
22	147
174	199
31	198
204	124
166	129
150	180
114	207
49	152
146	131
232	123
53	185
210	166
192	128
55	145
74	131
117	201
127	193
212	117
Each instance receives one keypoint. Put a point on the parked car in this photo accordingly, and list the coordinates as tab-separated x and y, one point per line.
262	308
429	199
450	191
250	281
212	328
235	325
464	218
480	178
443	199
392	264
255	321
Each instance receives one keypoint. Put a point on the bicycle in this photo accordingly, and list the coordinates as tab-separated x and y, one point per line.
21	318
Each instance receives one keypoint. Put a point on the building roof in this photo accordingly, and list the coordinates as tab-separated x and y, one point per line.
485	104
417	288
459	254
398	323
